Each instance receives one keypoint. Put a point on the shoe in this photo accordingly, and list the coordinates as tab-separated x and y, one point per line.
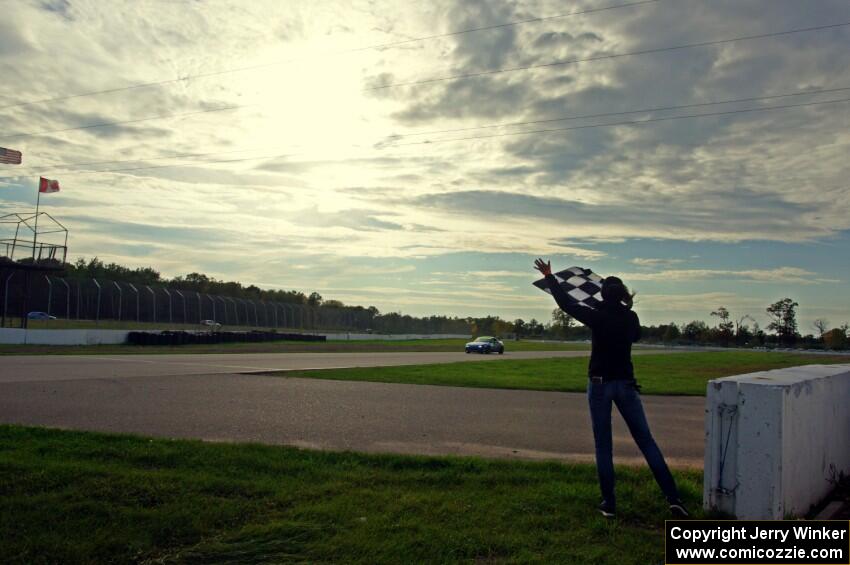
678	510
606	509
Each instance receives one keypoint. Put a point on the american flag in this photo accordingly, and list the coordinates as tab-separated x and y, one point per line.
10	156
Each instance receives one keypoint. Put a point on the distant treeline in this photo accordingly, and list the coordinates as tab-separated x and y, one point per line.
742	331
782	330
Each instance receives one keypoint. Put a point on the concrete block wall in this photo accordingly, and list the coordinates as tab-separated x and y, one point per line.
62	337
775	440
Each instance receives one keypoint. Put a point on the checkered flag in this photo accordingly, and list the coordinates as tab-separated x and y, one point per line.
581	285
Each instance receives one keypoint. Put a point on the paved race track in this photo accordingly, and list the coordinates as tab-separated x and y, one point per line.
17	368
216	398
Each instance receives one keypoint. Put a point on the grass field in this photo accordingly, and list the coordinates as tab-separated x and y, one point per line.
72	497
673	374
338	346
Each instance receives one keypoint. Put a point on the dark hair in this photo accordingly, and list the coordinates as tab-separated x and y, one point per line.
613	290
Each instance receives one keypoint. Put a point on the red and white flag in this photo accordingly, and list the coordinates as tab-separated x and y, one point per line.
10	156
47	186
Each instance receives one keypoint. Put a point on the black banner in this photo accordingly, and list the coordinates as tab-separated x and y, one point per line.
757	542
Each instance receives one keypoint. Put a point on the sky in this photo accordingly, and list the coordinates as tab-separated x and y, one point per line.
343	147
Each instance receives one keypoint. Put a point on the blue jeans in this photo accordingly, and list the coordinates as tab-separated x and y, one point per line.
623	393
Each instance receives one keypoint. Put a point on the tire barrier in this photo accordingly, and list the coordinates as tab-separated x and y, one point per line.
193	338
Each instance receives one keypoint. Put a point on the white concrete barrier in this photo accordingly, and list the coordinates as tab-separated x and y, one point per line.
62	337
776	440
101	337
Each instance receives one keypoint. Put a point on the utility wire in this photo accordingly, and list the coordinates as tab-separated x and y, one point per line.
174	166
427	142
341	52
434	132
509	24
626	123
133	121
142	160
603	57
623	113
454	77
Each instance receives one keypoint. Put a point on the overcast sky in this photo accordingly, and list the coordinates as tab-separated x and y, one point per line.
336	174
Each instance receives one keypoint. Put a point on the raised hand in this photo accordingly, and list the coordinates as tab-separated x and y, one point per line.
544	268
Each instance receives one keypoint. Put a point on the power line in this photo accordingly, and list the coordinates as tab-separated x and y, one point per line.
510	24
626	112
342	52
133	121
158	158
398	136
626	123
603	57
175	166
456	77
427	142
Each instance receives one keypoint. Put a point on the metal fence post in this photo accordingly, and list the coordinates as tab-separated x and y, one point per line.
200	307
97	308
213	305
138	315
247	315
183	298
153	300
49	296
120	298
235	310
223	303
256	319
170	316
67	299
6	296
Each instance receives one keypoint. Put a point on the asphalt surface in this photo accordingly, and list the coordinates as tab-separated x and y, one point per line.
20	368
216	398
17	368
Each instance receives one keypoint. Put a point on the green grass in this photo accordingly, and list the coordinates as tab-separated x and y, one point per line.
332	346
73	497
672	374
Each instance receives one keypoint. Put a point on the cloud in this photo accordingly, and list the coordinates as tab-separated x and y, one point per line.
500	274
61	8
755	215
697	304
352	218
785	275
14	41
654	262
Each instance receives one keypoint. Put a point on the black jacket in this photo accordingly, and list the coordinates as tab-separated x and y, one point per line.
614	328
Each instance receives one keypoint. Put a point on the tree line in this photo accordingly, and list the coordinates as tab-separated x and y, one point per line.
743	330
740	330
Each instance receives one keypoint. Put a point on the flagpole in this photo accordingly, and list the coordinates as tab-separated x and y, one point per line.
35	231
